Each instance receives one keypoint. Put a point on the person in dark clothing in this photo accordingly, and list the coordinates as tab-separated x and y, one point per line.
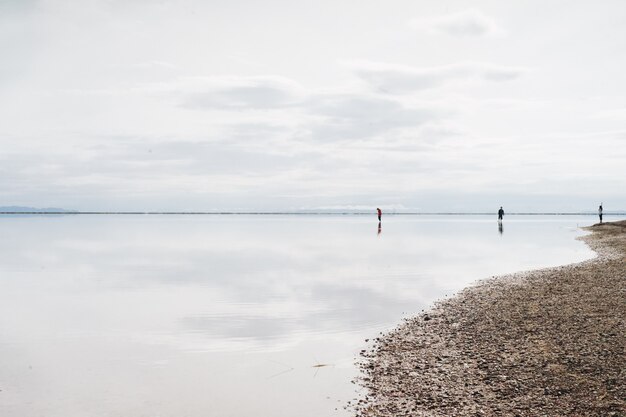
500	214
380	213
600	212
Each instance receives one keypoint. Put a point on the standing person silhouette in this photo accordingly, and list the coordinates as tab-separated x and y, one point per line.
600	212
500	214
380	214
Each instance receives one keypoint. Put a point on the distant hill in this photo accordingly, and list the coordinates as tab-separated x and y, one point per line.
21	209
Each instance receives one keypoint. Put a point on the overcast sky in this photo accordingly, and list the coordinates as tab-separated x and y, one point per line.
283	105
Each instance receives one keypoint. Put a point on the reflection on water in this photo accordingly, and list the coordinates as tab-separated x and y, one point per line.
229	315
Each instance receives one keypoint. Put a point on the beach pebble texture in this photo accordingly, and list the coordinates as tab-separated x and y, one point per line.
550	342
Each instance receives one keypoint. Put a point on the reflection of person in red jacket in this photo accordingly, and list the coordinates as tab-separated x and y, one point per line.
380	213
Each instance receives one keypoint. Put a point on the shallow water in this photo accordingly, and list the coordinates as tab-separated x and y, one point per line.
230	315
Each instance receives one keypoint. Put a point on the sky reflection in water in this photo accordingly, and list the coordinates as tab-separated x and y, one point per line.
228	315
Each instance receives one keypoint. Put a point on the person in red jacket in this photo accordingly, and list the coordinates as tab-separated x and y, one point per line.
380	213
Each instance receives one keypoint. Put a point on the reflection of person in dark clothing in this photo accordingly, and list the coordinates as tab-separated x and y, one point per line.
500	214
380	213
600	212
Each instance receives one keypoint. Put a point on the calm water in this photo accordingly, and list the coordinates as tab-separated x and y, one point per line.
228	315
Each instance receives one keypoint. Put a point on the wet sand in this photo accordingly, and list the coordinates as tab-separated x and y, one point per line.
550	342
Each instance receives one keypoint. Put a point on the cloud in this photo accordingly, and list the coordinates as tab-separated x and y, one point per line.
239	92
464	24
17	5
618	114
395	79
354	114
362	115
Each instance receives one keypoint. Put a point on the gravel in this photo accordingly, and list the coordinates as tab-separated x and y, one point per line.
550	342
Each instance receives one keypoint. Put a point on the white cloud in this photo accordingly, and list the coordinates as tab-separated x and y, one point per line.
465	23
618	114
239	92
362	116
401	79
281	103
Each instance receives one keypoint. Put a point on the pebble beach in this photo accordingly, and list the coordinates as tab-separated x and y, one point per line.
549	342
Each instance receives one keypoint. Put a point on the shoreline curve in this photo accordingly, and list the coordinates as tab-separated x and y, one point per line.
544	342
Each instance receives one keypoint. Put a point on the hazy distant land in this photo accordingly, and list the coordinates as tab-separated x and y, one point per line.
24	209
55	210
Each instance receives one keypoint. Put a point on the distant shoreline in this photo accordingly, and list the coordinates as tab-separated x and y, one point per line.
545	342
